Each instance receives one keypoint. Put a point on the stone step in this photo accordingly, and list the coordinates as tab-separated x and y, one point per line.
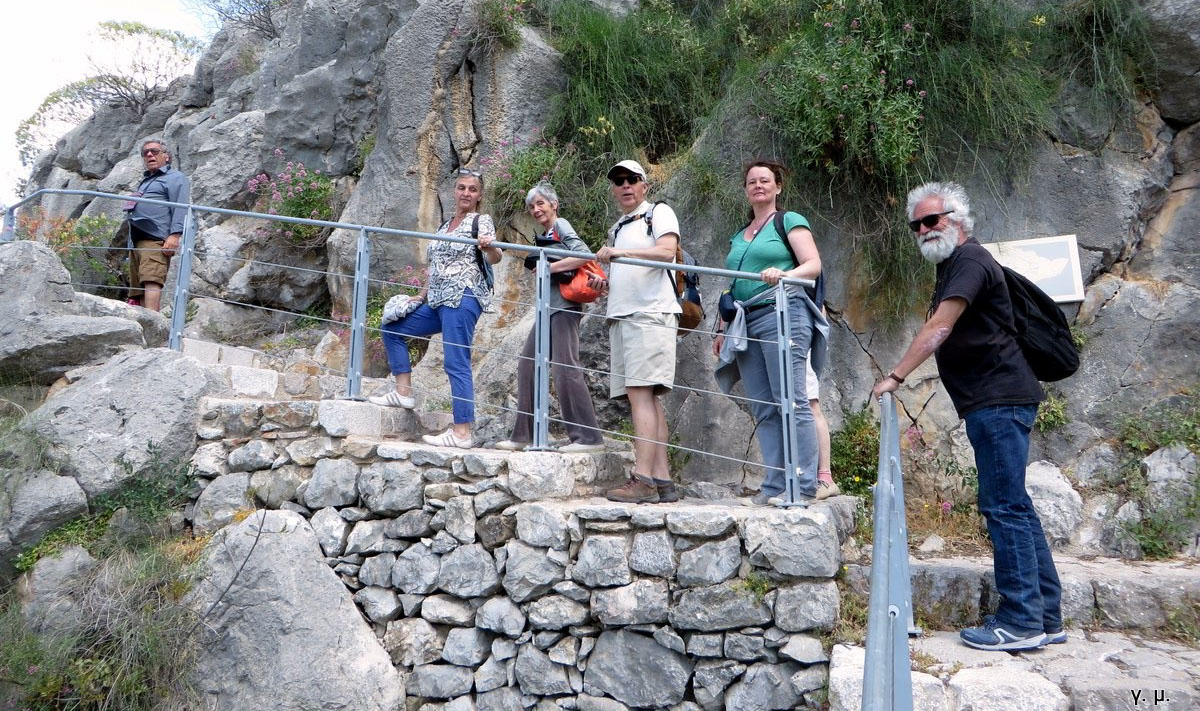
1109	593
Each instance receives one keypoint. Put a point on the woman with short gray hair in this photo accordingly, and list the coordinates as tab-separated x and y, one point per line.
574	399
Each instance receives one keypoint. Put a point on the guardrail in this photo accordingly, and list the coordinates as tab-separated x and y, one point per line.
361	285
887	674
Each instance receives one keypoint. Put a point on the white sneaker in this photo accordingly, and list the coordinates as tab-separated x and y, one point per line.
510	446
394	399
580	448
448	439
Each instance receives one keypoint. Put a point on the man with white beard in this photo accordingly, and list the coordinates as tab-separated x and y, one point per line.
994	390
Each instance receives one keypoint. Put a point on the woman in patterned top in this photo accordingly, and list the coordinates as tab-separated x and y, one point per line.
452	300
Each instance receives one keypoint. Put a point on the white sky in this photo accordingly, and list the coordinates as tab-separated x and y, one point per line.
44	44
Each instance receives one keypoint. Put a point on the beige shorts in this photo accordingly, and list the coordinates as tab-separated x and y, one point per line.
147	264
812	387
643	352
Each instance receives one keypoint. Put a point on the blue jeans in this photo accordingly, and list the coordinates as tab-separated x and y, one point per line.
759	368
1030	593
457	326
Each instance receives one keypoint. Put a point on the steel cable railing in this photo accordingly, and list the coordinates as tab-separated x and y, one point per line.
367	235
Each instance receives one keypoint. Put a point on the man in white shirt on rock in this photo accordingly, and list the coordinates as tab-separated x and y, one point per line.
643	317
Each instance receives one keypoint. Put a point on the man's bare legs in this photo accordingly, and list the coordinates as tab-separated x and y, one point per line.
649	423
152	296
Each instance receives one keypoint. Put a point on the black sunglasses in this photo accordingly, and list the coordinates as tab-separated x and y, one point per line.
929	220
627	179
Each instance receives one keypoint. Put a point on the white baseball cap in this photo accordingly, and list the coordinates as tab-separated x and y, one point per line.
631	166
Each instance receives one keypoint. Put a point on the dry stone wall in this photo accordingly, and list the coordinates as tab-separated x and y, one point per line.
496	579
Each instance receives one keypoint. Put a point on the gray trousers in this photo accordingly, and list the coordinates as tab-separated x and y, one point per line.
574	398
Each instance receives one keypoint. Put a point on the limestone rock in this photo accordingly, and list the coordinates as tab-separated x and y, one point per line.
542	526
391	488
699	523
468	572
1058	505
40	503
641	602
331	531
764	686
332	484
42	338
727	605
501	615
529	572
492	674
460	518
717	675
416	570
808	605
804	649
636	670
410	524
1015	689
412	641
534	476
602	562
652	554
274	487
219	501
439	681
380	605
51	591
709	563
1175	38
467	646
555	612
253	654
447	610
538	676
771	543
126	415
366	537
252	456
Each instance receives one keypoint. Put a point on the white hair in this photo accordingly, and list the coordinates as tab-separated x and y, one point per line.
953	196
544	190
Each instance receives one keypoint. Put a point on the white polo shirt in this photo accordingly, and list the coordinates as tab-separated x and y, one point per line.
634	289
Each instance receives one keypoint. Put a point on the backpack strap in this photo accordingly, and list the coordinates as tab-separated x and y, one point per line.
680	278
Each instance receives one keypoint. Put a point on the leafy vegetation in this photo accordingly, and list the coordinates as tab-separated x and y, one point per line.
854	452
82	245
1051	414
1167	520
865	98
149	59
296	191
499	23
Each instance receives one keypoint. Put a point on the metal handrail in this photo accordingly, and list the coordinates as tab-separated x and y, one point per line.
187	250
887	673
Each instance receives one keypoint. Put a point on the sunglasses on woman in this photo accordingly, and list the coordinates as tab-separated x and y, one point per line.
472	173
929	220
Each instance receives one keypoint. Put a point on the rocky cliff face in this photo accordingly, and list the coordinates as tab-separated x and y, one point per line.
403	79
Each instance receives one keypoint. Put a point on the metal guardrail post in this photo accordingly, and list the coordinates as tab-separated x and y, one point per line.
9	232
887	674
541	357
358	317
787	399
183	282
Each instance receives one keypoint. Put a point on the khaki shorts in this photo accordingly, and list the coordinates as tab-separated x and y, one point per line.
643	352
147	264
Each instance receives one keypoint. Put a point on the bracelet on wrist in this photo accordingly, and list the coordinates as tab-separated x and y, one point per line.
895	377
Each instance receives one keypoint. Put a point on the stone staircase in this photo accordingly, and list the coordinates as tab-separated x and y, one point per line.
501	580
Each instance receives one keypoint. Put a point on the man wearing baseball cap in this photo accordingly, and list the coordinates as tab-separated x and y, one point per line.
643	316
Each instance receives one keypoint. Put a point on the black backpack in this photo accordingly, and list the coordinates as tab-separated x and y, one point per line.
818	292
485	267
1041	330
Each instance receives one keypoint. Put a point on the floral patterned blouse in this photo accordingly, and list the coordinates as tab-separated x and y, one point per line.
452	266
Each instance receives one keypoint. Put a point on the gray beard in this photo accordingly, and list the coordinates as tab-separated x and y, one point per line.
937	250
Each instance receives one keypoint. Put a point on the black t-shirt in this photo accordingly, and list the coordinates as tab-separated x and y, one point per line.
980	362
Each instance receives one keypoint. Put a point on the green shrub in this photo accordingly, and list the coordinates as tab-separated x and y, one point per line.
854	452
83	246
296	191
515	167
1051	414
499	23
